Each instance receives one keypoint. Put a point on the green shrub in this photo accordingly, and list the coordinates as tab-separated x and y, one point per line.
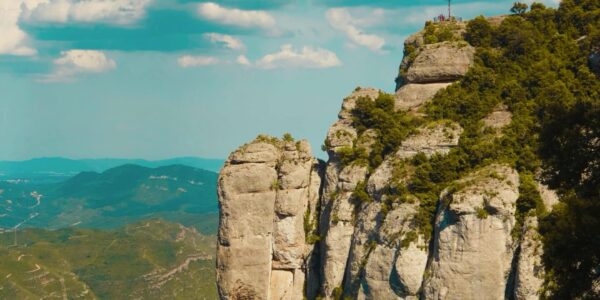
391	126
360	193
409	237
481	212
287	137
479	32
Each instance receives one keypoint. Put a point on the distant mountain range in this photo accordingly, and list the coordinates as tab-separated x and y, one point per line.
115	197
58	166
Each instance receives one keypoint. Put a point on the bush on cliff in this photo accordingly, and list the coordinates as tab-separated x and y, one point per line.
535	63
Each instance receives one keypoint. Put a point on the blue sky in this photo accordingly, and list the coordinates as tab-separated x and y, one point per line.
163	78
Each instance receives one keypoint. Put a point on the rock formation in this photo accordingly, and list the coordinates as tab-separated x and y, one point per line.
268	192
442	62
472	247
291	227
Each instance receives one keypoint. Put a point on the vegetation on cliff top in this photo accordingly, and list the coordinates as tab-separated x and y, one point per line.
537	64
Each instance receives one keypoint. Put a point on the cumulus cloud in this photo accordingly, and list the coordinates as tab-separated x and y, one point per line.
75	62
121	12
226	40
243	60
342	20
236	17
308	57
189	61
14	41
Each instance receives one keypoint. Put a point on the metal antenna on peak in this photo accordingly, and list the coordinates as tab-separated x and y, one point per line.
449	9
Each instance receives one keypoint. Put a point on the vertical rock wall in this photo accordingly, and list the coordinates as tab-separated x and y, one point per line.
473	247
268	192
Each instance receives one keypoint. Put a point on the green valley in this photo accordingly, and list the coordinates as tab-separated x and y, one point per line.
151	259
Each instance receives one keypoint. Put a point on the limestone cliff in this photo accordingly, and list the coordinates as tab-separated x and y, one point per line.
268	193
292	227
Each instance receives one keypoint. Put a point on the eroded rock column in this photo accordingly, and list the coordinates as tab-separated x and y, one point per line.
473	247
268	191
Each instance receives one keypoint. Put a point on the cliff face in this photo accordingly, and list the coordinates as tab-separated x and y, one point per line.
268	193
292	227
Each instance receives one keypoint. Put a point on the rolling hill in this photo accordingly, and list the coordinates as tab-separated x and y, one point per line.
64	167
152	259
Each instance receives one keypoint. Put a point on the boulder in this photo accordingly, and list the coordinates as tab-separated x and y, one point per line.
436	138
441	62
412	96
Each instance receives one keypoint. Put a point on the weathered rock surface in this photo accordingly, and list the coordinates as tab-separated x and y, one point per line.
549	197
379	266
437	138
529	274
337	218
339	228
473	247
265	189
441	62
499	118
412	96
342	133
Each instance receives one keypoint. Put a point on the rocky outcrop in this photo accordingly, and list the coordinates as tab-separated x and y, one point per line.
268	192
339	227
388	256
529	274
436	138
473	247
412	96
549	197
441	62
499	118
292	227
430	68
337	219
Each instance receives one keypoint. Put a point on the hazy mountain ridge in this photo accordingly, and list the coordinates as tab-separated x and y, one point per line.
59	166
113	198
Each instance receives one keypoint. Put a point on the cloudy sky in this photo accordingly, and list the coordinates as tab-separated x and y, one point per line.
164	78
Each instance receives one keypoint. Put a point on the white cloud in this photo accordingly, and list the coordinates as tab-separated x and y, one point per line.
227	40
74	62
121	12
236	17
287	57
188	61
340	19
13	40
243	60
